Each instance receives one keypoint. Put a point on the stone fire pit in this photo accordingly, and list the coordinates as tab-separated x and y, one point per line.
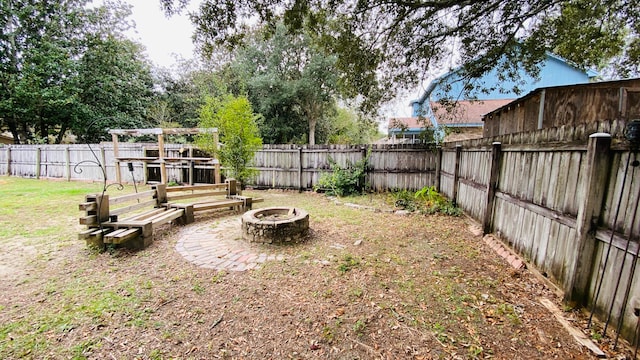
275	225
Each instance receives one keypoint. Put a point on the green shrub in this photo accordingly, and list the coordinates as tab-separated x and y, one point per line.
344	181
426	200
404	199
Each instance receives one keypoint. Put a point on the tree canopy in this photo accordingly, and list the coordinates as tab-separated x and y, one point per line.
65	65
381	45
290	82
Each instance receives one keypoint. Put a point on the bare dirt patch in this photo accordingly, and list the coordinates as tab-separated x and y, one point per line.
413	287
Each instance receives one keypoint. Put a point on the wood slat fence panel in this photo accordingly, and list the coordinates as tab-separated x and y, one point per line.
23	161
401	168
4	157
388	167
447	172
87	170
474	174
538	197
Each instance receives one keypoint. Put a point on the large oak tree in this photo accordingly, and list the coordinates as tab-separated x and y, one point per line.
385	44
64	65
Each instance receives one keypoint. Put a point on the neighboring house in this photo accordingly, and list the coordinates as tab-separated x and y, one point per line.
4	139
464	120
557	106
405	130
459	103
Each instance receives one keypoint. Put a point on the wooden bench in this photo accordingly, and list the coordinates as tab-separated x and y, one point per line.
149	209
128	219
199	198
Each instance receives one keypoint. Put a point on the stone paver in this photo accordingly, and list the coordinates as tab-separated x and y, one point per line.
221	247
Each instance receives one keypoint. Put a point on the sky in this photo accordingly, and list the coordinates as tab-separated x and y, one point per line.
164	38
168	39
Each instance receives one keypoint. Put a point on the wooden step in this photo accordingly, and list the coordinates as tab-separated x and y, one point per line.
108	238
169	215
217	205
125	235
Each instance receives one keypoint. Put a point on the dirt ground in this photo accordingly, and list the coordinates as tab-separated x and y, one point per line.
365	285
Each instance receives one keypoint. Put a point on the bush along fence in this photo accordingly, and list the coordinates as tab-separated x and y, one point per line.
565	198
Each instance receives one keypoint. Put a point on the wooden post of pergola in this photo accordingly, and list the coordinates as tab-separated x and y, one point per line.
216	173
163	165
116	155
162	159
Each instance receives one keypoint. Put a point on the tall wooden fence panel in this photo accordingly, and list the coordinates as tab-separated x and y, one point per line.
387	167
473	175
391	168
547	206
22	161
278	167
535	206
447	171
615	272
317	160
84	164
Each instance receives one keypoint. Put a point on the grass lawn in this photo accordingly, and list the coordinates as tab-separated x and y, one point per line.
416	287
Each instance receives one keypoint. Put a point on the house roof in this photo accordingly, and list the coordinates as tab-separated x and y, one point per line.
443	77
411	123
465	112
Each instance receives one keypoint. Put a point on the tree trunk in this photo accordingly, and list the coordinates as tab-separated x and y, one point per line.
60	136
313	113
13	128
312	130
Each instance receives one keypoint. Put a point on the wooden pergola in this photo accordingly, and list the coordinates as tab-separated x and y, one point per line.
161	158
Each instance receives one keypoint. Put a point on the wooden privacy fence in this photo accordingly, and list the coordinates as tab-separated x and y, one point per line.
566	199
84	162
280	166
387	166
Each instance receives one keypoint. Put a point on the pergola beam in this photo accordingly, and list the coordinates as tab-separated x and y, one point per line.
160	131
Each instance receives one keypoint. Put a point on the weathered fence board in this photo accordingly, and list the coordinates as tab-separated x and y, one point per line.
387	167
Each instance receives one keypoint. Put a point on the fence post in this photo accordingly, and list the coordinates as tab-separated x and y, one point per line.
192	166
145	179
67	159
456	175
38	160
438	168
163	164
494	175
593	187
365	164
300	169
9	160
